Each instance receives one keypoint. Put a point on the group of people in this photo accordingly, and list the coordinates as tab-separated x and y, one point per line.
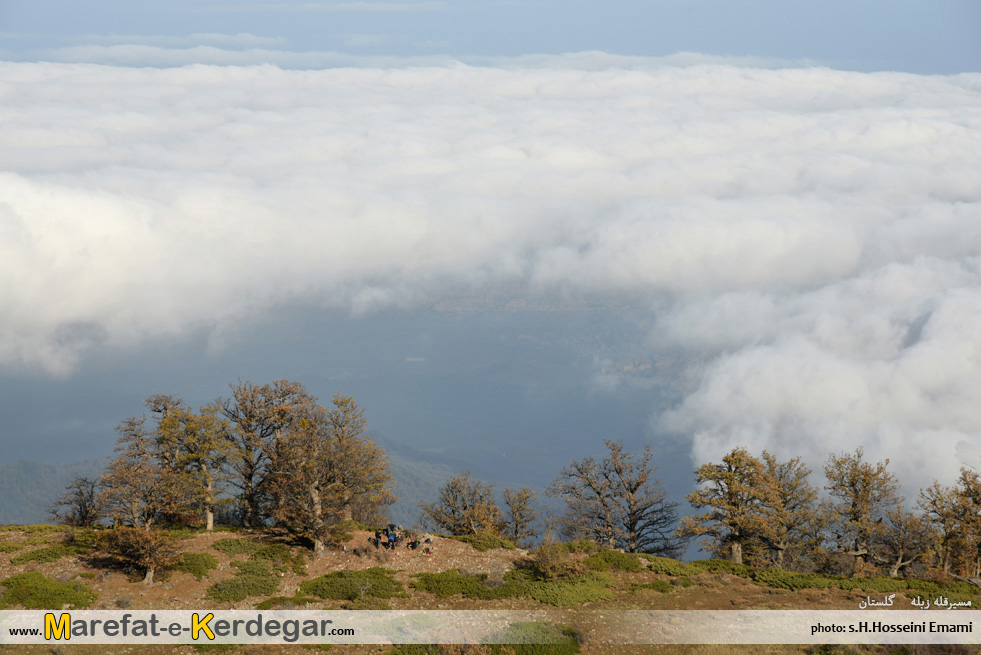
392	536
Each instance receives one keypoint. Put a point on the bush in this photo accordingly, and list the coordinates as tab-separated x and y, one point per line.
484	541
197	564
241	587
34	591
550	559
234	546
613	559
9	547
665	565
375	582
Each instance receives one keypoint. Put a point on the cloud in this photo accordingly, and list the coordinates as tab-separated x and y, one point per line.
811	235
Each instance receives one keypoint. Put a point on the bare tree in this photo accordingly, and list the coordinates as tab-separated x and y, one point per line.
259	415
78	505
519	525
618	502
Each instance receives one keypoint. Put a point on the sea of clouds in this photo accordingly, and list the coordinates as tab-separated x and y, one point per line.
812	236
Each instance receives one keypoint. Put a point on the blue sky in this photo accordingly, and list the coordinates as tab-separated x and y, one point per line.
903	35
510	229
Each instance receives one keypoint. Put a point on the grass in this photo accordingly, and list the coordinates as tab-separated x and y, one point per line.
35	591
40	528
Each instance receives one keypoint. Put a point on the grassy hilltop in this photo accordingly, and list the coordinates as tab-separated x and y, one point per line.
45	567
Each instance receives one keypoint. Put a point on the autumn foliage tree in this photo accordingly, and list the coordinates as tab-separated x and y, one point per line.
861	495
792	523
737	495
320	465
464	507
139	489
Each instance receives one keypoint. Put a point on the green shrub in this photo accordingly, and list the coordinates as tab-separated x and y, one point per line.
484	540
613	559
9	547
780	579
197	564
87	574
253	567
880	584
48	554
658	585
588	588
538	638
375	582
581	546
241	587
233	546
39	541
451	583
34	591
664	565
833	649
366	604
281	558
720	566
215	648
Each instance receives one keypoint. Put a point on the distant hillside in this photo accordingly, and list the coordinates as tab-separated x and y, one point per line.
28	488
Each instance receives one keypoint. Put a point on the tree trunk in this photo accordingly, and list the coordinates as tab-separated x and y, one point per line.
318	547
736	552
148	578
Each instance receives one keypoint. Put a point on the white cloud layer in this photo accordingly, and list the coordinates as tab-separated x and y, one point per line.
816	233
